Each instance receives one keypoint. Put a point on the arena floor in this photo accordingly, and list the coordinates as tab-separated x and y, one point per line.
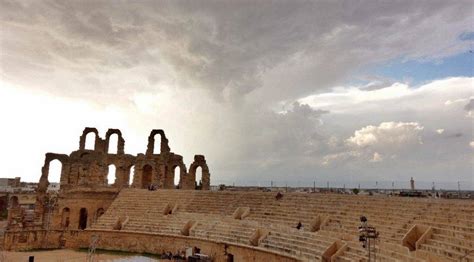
64	255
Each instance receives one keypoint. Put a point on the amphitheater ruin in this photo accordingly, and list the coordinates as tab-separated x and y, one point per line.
153	215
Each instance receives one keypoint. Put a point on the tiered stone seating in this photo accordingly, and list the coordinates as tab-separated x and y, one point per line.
148	216
450	244
453	230
298	243
224	229
452	221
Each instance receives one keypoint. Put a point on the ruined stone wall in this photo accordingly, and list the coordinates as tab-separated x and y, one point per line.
66	214
88	168
199	161
84	182
134	242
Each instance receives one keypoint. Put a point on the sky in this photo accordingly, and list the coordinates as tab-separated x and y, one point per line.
289	92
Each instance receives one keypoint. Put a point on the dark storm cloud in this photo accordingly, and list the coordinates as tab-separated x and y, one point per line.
226	73
469	106
231	48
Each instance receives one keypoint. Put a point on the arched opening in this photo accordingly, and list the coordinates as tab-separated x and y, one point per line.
65	217
111	175
157	144
198	173
176	174
54	173
14	203
83	218
146	176
3	203
90	141
131	175
99	213
113	144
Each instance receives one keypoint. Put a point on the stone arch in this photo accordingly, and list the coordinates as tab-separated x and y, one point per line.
178	178
82	140
65	219
200	161
111	175
90	141
151	142
83	218
198	177
42	188
14	202
157	145
111	144
120	140
44	180
131	175
54	171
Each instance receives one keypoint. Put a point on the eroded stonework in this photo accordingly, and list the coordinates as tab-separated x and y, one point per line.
85	192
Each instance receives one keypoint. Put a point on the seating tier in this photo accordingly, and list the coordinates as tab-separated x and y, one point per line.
212	212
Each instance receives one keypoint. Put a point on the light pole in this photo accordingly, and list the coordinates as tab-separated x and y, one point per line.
368	236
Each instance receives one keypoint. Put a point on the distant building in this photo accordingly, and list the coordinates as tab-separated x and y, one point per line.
12	190
412	184
53	186
412	193
14	185
10	182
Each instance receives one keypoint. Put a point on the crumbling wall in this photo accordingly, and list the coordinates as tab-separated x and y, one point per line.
84	177
41	191
120	141
175	162
191	183
99	142
70	204
135	242
162	166
151	142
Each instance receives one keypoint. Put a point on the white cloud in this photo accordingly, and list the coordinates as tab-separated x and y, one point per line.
342	97
440	131
372	143
396	96
450	102
376	158
387	134
337	158
471	144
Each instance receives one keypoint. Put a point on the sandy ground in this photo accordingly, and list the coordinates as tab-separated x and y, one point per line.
69	255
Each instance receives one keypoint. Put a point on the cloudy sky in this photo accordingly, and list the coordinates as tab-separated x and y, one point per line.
350	92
